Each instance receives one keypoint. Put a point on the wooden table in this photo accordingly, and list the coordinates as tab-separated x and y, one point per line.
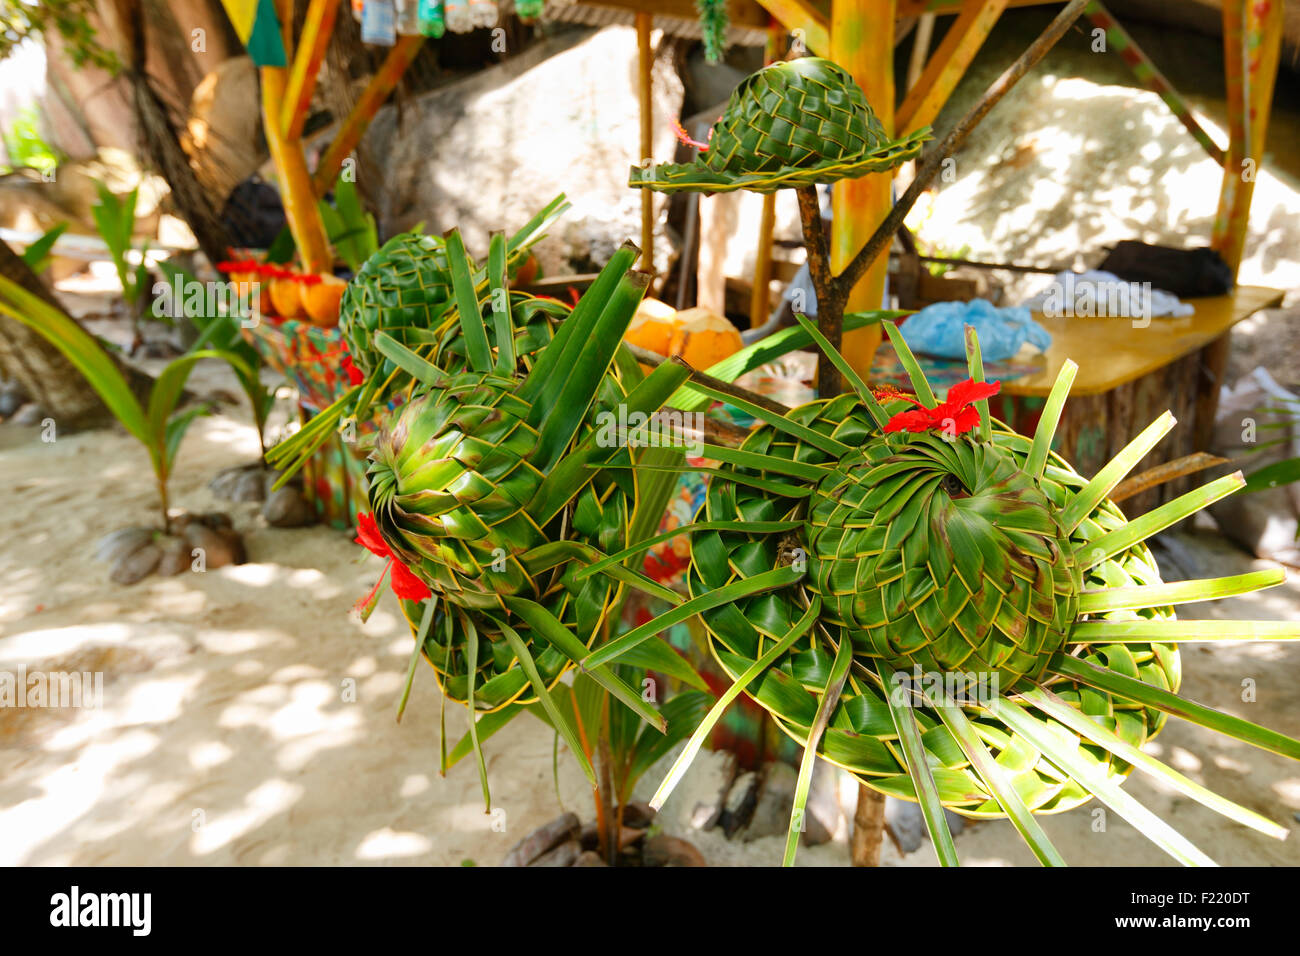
1129	375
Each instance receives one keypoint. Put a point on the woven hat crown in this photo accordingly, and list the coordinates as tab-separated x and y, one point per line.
795	113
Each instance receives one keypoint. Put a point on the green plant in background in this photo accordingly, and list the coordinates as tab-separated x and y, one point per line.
39	254
160	425
940	269
351	230
26	147
948	611
713	28
221	331
22	21
115	219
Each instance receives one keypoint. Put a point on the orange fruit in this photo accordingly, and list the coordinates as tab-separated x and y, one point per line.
703	338
652	327
321	300
286	297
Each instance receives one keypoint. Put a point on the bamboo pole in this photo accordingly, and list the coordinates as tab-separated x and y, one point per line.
949	63
862	41
920	48
368	103
761	293
645	64
1252	42
296	192
316	31
760	296
808	25
1149	75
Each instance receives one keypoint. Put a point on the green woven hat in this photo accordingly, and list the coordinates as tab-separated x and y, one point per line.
794	123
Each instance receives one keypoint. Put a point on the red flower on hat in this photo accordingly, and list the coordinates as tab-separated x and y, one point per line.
355	375
405	584
958	410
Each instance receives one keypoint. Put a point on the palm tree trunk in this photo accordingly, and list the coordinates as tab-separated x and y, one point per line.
160	143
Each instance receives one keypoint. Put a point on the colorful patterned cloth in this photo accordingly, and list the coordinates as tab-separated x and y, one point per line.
312	359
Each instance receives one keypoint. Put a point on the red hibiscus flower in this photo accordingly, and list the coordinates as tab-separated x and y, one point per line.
405	584
957	413
355	377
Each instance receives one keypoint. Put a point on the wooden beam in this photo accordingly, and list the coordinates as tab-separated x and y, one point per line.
1252	43
943	8
645	64
307	59
949	63
741	13
805	21
368	103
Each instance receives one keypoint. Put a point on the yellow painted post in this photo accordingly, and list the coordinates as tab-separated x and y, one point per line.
290	163
316	31
862	41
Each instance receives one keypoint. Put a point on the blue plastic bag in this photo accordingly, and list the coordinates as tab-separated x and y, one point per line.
939	330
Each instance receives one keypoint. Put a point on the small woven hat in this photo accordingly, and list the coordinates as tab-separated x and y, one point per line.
794	123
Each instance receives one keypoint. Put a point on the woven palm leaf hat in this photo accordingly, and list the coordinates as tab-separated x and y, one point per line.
794	123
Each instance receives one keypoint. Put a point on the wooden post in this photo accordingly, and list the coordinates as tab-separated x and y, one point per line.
862	41
1252	42
645	62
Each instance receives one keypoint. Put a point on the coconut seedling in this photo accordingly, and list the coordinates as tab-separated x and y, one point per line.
948	611
158	424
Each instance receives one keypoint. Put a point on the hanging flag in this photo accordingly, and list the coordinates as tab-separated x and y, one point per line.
241	14
258	29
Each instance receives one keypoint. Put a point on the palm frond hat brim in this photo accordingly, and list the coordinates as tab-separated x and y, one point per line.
794	123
